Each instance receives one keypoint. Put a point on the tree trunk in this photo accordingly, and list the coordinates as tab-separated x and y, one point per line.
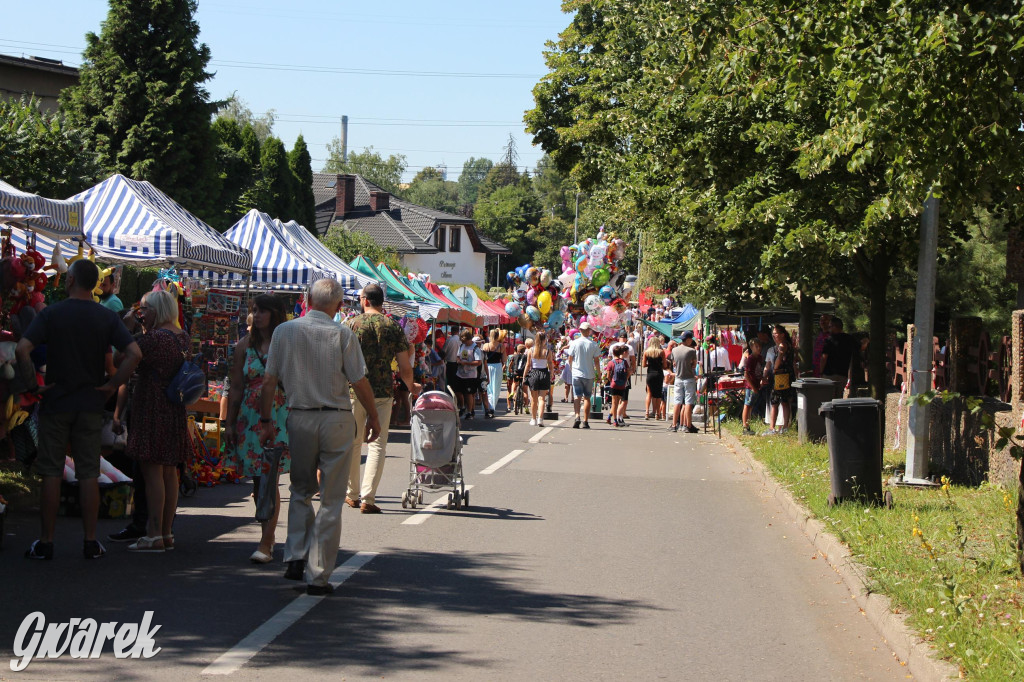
877	327
806	333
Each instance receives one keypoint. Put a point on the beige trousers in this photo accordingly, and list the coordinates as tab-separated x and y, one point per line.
376	452
317	440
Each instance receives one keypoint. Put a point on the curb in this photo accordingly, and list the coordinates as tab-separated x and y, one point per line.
904	642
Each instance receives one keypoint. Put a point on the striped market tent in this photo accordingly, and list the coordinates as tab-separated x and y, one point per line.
312	249
129	221
275	265
52	217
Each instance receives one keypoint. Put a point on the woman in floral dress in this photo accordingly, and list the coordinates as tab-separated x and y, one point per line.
243	424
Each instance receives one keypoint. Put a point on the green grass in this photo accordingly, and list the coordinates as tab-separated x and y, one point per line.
957	579
15	483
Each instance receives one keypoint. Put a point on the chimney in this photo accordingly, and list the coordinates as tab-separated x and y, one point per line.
344	195
380	201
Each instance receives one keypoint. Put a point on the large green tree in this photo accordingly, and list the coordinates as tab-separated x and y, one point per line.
347	244
41	152
143	102
303	204
510	215
429	188
474	171
385	173
278	177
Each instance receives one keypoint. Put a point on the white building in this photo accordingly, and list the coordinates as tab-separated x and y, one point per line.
446	246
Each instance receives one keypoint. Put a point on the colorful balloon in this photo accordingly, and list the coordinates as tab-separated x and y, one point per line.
533	313
606	293
600	277
531	296
593	305
544	302
512	309
545	277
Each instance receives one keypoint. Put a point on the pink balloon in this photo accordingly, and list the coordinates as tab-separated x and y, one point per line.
531	297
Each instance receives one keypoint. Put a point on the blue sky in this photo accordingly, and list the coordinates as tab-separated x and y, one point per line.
399	107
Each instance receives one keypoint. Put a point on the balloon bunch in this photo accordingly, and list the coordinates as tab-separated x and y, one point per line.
536	297
592	278
415	329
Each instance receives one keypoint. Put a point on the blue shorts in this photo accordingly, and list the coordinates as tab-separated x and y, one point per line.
686	391
749	397
582	388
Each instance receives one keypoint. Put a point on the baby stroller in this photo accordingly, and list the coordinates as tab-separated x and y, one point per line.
436	459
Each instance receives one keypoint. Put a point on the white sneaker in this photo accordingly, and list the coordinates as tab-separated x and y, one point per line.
533	422
540	422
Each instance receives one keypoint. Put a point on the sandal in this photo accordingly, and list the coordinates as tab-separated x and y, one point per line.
168	543
147	545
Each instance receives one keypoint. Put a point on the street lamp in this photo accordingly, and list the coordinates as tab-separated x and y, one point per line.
576	222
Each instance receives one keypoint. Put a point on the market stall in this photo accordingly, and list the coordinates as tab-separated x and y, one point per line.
312	249
52	217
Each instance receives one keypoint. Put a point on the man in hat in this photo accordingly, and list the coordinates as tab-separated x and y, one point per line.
684	361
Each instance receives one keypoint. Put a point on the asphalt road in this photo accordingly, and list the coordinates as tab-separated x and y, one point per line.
628	553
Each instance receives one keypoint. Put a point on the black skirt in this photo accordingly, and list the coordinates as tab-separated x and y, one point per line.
540	380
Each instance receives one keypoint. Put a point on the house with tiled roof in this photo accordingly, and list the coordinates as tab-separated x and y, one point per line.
447	246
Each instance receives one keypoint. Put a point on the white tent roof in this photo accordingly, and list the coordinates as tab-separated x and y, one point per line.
53	217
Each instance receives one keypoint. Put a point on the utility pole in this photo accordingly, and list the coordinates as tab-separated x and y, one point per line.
924	321
576	222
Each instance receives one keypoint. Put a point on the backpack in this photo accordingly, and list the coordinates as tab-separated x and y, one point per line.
188	384
620	374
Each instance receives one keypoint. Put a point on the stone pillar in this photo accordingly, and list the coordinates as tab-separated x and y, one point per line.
964	336
1017	360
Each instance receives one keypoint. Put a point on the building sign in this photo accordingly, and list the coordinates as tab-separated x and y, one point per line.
445	267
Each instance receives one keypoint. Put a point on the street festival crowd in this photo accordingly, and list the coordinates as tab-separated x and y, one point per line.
314	388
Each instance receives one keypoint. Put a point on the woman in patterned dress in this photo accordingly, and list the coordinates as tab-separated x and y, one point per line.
158	435
243	424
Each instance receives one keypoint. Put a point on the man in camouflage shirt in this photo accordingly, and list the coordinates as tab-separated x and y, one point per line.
382	342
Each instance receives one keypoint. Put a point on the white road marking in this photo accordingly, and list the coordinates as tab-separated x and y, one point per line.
422	515
240	654
501	462
545	431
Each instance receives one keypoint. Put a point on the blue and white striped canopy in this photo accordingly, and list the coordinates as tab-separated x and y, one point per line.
275	264
300	239
128	221
61	219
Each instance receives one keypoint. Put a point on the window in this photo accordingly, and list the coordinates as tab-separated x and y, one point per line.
455	239
440	238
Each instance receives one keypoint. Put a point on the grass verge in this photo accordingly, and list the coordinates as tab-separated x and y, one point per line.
945	557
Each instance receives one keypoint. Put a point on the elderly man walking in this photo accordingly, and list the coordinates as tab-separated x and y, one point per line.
382	341
316	359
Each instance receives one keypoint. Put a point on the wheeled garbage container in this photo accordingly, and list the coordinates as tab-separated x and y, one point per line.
810	394
854	432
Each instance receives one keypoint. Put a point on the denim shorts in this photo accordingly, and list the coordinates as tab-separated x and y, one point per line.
749	397
686	391
582	388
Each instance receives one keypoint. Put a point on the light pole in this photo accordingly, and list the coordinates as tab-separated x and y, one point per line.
576	222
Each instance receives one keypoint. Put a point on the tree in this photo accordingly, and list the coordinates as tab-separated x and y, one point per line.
278	176
554	191
473	173
236	172
500	175
385	173
347	244
430	189
142	100
509	215
235	109
303	205
42	152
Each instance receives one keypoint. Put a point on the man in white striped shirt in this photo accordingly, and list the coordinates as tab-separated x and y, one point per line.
315	359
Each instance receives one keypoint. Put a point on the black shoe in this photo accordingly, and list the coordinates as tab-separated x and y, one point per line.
319	590
127	534
586	425
39	550
295	570
673	429
92	549
692	429
576	424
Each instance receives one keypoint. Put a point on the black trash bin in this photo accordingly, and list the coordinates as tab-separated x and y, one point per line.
811	392
854	431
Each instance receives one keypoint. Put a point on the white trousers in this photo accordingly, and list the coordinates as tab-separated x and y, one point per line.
376	452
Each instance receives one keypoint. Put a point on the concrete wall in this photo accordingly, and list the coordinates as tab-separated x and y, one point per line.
959	448
17	80
462	267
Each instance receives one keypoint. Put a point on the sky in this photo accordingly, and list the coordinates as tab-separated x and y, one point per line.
436	82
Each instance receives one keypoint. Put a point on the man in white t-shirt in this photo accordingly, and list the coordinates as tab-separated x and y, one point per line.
583	354
450	352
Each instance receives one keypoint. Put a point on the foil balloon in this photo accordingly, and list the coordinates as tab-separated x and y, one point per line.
565	253
531	296
619	247
544	302
512	309
532	276
533	313
581	263
600	277
593	305
555	319
610	316
606	293
545	277
597	254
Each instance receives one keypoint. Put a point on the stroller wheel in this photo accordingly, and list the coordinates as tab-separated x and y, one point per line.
419	496
458	501
451	500
405	500
465	499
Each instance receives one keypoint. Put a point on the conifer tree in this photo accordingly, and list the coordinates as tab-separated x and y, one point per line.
142	100
303	208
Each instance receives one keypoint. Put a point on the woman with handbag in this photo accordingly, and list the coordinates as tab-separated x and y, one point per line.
242	431
158	438
780	380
